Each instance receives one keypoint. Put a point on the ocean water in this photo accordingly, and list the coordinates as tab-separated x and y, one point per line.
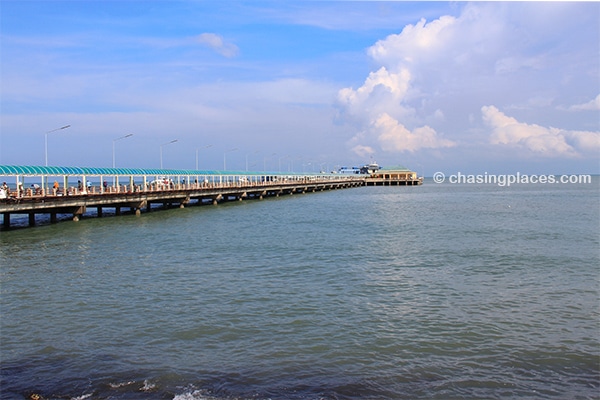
435	292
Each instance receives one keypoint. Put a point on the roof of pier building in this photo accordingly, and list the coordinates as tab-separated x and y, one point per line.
395	168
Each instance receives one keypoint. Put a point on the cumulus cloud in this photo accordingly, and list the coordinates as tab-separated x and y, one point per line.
383	105
363	151
393	136
591	105
382	91
218	44
546	141
414	41
383	100
430	81
394	83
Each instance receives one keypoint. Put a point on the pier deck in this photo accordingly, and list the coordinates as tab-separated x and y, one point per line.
144	188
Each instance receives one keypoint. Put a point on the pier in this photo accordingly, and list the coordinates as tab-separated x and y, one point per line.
34	190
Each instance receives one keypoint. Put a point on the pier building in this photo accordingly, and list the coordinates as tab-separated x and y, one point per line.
393	176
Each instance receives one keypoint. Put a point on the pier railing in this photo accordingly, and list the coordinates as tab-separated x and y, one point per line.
142	192
16	193
72	190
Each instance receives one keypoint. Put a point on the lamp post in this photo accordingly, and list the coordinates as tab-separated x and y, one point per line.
46	140
256	152
161	146
205	147
225	159
114	140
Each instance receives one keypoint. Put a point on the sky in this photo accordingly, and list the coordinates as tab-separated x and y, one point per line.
303	86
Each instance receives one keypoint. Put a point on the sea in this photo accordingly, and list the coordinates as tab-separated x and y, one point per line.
439	291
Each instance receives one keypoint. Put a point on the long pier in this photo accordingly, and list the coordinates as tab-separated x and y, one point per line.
74	191
34	190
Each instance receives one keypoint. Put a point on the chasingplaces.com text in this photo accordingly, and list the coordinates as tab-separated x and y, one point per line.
510	179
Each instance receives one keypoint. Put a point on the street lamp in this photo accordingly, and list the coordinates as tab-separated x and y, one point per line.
46	141
161	146
225	160
122	137
205	147
256	152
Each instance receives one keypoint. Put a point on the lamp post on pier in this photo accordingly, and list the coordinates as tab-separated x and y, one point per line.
46	140
256	152
161	146
113	149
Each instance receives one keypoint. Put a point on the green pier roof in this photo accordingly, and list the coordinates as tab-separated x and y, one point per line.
32	170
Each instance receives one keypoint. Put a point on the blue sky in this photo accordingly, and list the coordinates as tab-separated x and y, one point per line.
498	87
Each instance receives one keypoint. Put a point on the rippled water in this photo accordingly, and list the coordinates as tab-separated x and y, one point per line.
439	291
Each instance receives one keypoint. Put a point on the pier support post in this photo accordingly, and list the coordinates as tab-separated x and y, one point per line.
31	219
53	218
99	212
6	220
79	211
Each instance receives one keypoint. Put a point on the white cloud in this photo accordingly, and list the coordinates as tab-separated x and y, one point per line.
395	137
385	97
546	141
585	140
590	105
414	41
218	44
382	91
394	83
363	151
434	77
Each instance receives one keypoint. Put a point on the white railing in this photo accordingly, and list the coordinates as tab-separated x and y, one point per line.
206	183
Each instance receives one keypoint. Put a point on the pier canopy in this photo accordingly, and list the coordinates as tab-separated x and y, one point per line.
136	176
34	170
132	179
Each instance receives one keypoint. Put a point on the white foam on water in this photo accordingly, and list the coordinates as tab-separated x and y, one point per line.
194	395
121	384
82	397
148	386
